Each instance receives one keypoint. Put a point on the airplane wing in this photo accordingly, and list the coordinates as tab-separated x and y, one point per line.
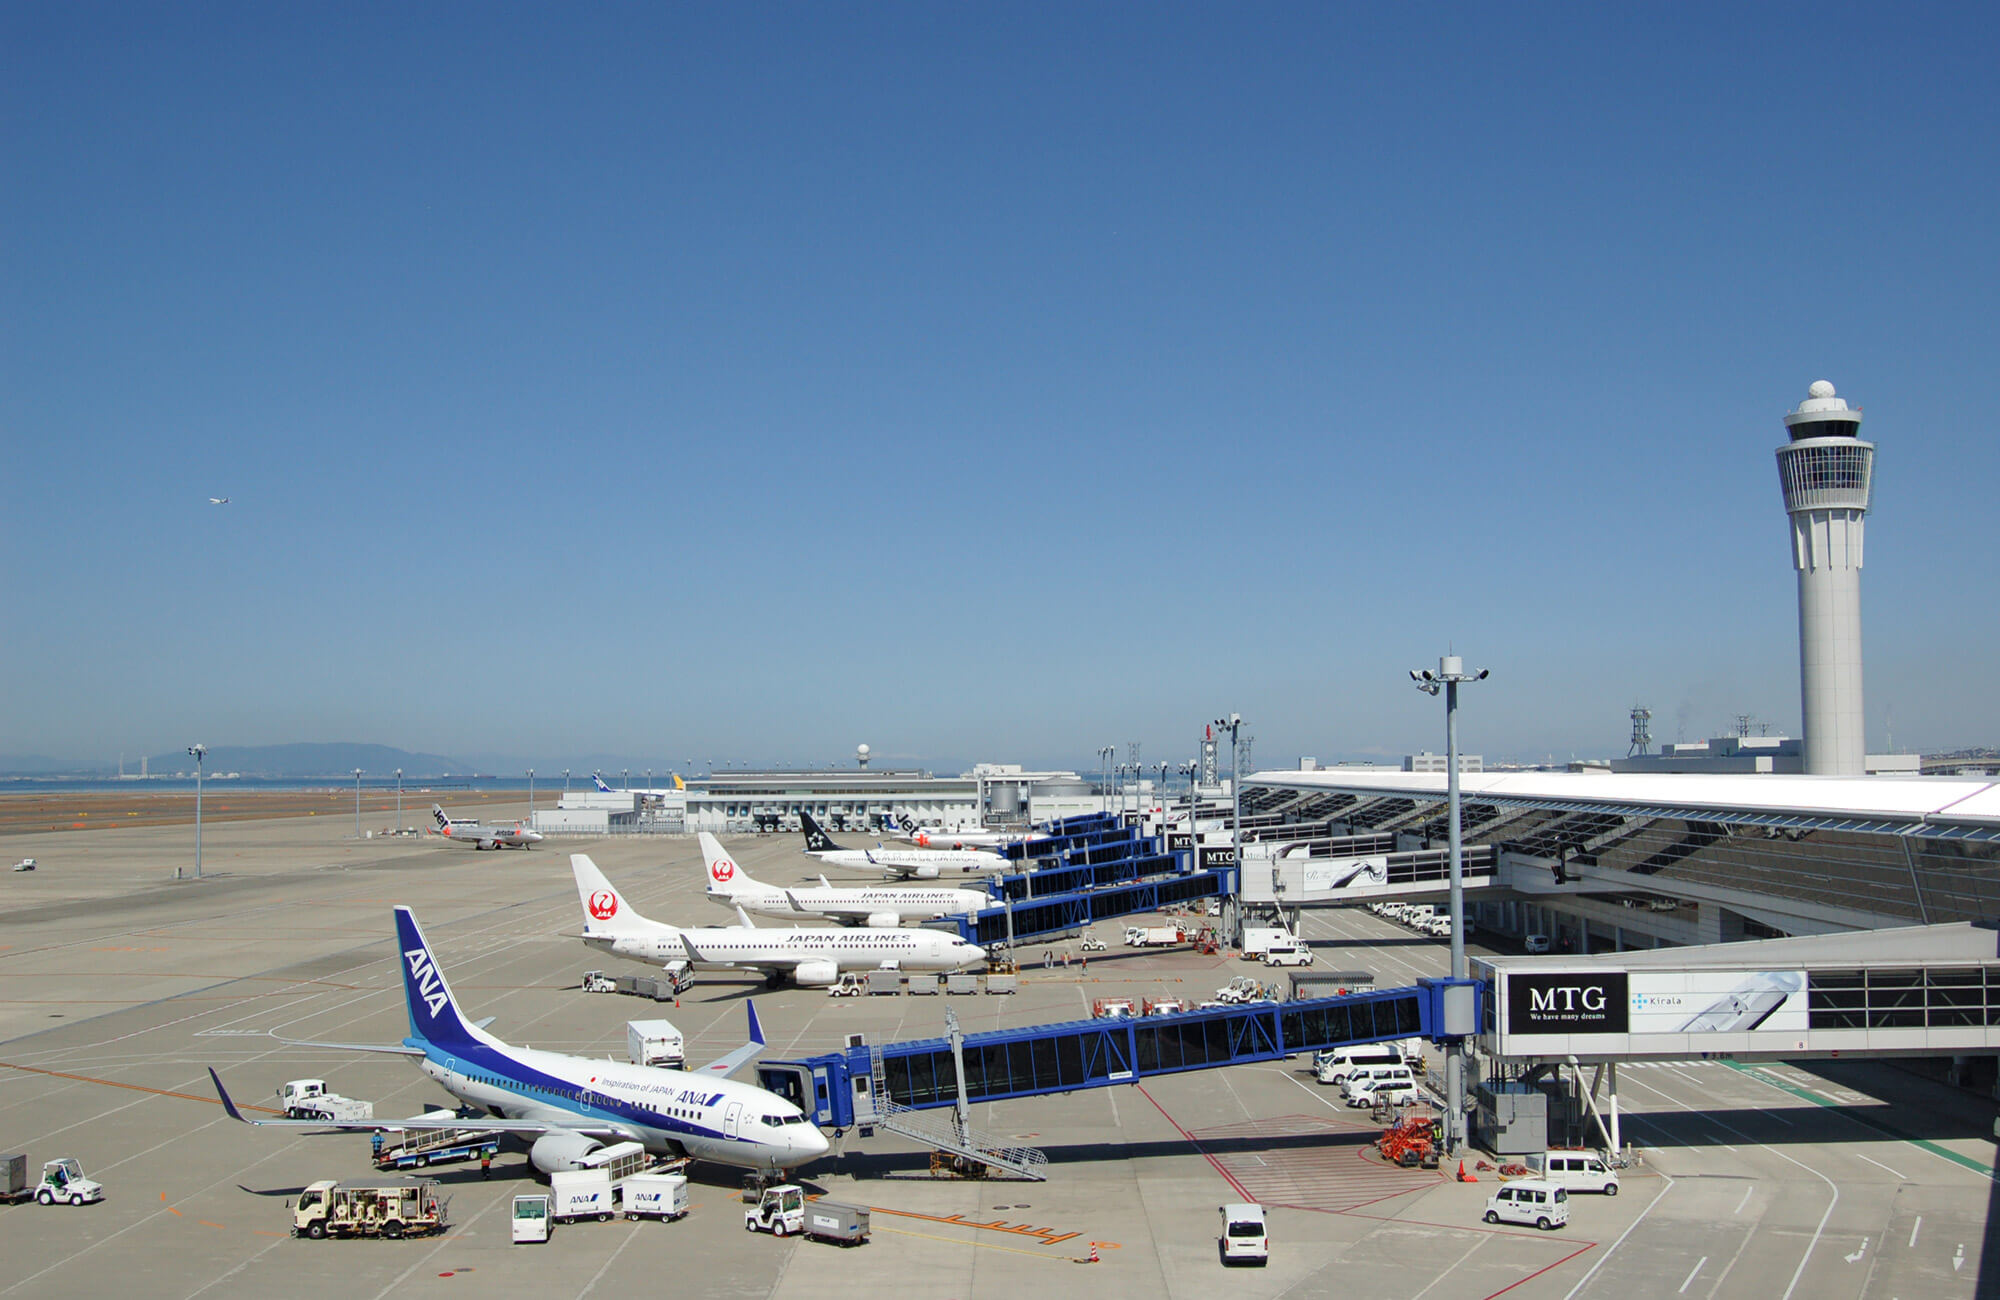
722	1066
395	1049
524	1126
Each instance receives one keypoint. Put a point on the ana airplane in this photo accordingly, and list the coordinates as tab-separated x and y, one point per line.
880	906
218	501
940	837
904	864
569	1106
811	957
516	836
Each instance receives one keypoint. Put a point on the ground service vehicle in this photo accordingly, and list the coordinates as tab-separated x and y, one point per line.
1153	936
1334	1066
655	1042
849	985
1288	952
1383	1092
387	1208
63	1180
25	864
309	1099
1245	1238
1579	1171
780	1211
596	981
1536	944
1529	1200
531	1218
406	1149
1091	943
581	1194
846	1225
1256	939
655	1196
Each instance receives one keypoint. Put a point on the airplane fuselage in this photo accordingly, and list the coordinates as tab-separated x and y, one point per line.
906	904
931	864
726	947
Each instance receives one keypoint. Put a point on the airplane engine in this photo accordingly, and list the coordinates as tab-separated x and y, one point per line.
884	920
815	974
558	1153
925	873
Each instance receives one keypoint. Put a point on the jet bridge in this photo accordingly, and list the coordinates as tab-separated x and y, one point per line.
862	1084
1032	920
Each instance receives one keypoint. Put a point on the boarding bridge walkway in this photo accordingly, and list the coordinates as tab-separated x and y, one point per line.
881	1085
1043	918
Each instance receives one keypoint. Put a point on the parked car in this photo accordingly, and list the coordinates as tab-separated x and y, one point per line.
1537	944
1531	1201
1245	1236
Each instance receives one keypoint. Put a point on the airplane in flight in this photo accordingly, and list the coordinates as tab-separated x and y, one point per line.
880	906
478	836
940	837
605	787
903	864
218	501
569	1106
812	957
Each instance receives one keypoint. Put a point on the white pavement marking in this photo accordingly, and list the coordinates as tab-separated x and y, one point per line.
598	1276
1612	1248
1745	1201
1879	1165
1691	1275
1818	1229
1483	1239
1913	1231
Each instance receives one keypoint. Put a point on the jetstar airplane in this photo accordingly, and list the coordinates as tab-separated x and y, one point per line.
940	837
811	957
902	864
516	836
569	1106
881	906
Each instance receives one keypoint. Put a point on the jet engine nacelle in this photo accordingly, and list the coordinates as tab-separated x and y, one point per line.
559	1153
815	974
925	873
884	920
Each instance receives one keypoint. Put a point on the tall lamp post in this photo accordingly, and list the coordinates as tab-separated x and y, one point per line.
531	795
1234	724
1451	671
399	801
357	803
197	752
1104	767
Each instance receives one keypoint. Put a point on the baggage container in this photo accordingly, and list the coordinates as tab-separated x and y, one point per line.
960	982
1003	982
832	1221
580	1194
14	1178
885	981
655	1196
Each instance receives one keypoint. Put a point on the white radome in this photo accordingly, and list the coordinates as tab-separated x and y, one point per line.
1820	388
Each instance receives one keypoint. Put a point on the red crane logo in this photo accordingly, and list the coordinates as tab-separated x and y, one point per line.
603	904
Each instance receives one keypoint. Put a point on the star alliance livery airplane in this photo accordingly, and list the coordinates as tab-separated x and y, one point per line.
901	864
569	1106
516	836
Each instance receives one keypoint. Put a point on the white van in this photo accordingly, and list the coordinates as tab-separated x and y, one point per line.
1364	1079
1288	952
1244	1236
1579	1171
1334	1066
1382	1092
1529	1200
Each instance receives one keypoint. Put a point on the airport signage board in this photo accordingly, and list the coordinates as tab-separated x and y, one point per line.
1179	840
1600	1010
1220	856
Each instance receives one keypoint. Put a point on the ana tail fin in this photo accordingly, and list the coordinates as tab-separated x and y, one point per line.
601	787
433	1011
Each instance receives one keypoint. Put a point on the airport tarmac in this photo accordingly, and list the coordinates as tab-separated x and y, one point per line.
121	985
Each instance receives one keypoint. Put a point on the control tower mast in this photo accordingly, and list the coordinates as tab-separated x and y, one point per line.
1826	471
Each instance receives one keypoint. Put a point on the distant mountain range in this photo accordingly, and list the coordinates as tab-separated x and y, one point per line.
329	760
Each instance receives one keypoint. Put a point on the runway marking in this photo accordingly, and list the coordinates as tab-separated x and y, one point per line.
132	1087
1612	1249
1745	1201
1779	1082
1048	1235
979	1245
1879	1165
1691	1275
1913	1231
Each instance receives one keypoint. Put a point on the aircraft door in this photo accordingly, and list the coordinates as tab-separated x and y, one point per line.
732	1120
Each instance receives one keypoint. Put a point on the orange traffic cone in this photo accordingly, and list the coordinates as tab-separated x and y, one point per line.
1464	1177
1093	1253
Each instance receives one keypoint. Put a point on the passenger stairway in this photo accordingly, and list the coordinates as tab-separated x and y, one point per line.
974	1153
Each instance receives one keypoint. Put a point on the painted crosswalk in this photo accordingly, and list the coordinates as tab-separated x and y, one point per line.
1307	1161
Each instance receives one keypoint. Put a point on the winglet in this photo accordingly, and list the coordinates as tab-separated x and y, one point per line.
756	1030
228	1106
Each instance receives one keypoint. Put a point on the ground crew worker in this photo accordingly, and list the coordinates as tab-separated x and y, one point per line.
485	1163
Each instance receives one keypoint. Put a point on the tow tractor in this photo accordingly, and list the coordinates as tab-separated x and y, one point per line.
849	985
1092	943
309	1099
780	1211
62	1180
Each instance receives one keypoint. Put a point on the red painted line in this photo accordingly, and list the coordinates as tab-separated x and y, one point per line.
1589	1245
1227	1177
132	1087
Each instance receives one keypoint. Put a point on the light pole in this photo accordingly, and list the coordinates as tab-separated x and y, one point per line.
1451	671
357	803
531	795
565	781
1233	724
399	801
1104	754
1162	793
197	752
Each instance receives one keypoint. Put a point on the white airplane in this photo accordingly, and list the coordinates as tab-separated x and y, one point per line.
516	836
811	957
941	837
218	501
604	787
880	906
572	1105
903	864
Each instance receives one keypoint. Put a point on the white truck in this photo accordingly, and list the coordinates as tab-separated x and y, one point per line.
781	1211
1258	939
531	1218
655	1042
1153	936
62	1182
384	1208
309	1099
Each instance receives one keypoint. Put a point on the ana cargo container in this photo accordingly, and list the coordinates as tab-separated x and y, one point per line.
581	1194
655	1196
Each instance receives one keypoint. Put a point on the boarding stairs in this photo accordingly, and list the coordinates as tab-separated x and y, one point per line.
972	1152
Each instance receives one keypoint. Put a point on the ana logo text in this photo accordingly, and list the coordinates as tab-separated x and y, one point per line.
430	986
603	905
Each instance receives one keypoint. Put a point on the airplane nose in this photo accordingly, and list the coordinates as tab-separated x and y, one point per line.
974	954
811	1142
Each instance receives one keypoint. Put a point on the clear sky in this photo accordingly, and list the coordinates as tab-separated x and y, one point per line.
979	381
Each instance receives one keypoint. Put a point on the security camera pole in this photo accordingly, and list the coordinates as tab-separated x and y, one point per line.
1451	671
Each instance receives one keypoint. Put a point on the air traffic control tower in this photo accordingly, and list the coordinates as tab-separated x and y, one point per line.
1827	471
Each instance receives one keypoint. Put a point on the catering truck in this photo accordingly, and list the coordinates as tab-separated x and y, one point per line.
385	1207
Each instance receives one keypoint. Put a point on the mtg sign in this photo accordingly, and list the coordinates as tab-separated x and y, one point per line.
1574	1002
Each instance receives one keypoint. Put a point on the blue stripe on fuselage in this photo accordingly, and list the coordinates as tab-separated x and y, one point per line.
524	1081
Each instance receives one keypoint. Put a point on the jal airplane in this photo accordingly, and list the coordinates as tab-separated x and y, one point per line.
516	836
880	906
812	958
570	1106
903	864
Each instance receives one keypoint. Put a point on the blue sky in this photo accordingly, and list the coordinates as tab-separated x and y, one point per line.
746	382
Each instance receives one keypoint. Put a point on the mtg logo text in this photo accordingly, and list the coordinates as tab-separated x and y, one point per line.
1567	1002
